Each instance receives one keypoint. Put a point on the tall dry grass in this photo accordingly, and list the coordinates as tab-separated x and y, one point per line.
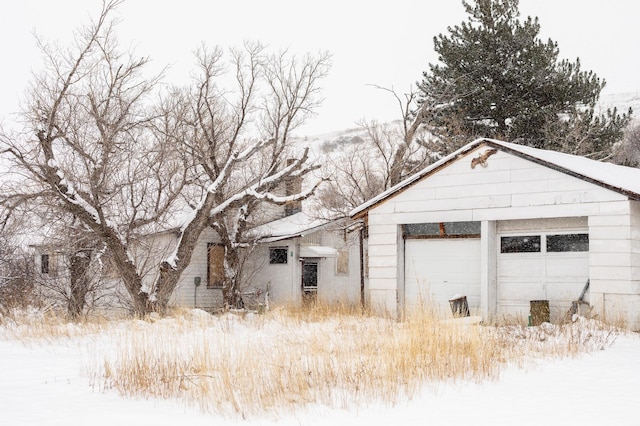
256	364
30	325
247	364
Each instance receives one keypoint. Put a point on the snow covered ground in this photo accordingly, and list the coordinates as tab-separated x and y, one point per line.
46	383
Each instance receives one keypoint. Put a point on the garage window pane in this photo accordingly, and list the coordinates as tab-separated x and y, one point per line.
568	242
420	229
441	229
520	244
462	228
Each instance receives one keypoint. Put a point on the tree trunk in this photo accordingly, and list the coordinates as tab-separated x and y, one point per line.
79	282
231	286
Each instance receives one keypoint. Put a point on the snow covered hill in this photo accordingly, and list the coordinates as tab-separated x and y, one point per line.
622	101
334	141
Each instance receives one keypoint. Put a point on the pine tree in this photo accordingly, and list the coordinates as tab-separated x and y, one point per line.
497	79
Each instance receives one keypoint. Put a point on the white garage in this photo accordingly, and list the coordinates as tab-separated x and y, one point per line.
543	223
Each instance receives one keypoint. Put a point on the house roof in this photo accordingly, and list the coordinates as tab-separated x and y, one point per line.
318	251
621	179
296	225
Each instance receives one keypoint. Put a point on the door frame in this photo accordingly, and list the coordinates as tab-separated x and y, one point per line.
309	293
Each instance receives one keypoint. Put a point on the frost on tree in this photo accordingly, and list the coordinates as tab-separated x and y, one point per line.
124	156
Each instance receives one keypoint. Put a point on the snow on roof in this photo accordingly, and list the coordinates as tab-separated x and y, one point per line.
318	251
625	180
292	226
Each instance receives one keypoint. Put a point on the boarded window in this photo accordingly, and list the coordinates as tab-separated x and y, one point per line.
520	244
442	230
568	242
44	263
342	262
215	265
278	255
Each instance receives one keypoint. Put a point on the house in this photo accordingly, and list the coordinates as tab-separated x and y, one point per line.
292	258
504	225
296	259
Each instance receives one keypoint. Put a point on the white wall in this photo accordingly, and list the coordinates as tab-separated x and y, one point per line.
186	293
283	281
334	287
615	263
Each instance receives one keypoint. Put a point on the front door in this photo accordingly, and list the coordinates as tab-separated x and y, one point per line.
309	280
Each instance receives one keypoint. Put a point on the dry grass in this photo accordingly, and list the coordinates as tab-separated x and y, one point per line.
35	324
255	364
251	365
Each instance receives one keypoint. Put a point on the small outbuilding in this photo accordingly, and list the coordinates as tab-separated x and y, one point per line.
504	225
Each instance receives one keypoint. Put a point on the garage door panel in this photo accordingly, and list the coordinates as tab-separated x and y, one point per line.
437	269
567	266
565	291
557	276
437	294
516	267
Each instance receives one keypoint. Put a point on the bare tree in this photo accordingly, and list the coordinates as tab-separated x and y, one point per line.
17	286
387	154
72	279
89	149
97	149
243	185
627	151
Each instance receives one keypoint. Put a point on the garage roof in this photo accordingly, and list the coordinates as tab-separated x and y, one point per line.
621	179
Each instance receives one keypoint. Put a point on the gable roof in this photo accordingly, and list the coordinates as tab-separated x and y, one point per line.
621	179
296	225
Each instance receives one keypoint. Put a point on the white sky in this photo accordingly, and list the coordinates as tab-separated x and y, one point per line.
387	43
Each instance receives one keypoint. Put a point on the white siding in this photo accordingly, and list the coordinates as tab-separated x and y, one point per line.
615	265
281	280
186	293
333	287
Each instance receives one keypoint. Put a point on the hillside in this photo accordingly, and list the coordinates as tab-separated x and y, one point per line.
622	101
334	141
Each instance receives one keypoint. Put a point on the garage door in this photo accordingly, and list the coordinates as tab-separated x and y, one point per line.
438	269
551	266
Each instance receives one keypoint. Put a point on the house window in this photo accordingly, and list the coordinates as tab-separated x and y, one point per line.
520	244
442	230
278	255
342	262
567	242
215	265
44	263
